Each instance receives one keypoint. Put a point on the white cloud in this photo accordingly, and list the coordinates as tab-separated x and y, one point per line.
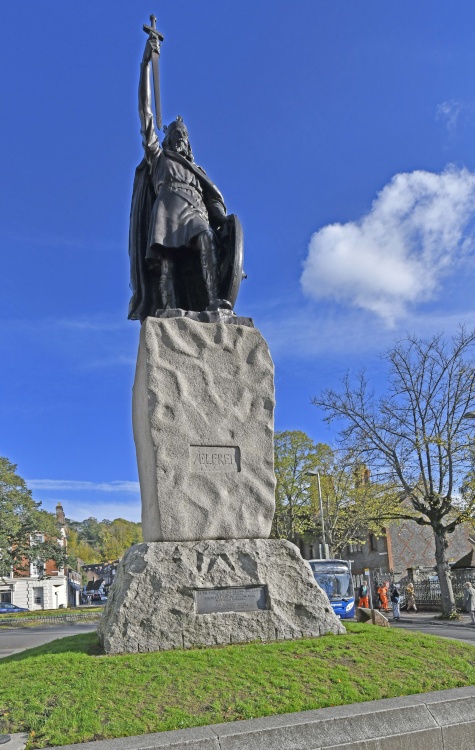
417	231
75	485
305	334
308	334
448	112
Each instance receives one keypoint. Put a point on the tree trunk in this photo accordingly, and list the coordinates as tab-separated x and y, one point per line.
443	571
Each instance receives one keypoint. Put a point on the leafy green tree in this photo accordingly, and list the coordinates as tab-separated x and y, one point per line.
417	436
295	454
93	541
353	506
88	531
117	537
21	522
79	550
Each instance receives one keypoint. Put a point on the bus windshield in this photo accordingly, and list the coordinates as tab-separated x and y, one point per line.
334	579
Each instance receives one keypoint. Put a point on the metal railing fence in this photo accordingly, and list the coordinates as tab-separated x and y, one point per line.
426	587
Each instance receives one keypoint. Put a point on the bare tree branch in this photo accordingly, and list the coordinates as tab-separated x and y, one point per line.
416	434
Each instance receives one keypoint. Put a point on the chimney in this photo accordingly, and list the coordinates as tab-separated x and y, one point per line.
60	515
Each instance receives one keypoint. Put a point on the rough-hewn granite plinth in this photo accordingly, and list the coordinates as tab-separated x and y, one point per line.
161	587
203	411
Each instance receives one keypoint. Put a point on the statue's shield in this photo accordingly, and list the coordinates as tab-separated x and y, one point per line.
231	241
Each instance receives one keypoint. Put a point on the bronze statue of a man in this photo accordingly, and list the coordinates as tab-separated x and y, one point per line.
180	235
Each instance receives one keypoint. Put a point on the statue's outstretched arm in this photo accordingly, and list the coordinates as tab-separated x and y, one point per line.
150	140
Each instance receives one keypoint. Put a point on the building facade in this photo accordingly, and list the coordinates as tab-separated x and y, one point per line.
105	572
404	546
43	586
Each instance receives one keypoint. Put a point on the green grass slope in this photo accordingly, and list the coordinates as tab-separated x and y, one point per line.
67	691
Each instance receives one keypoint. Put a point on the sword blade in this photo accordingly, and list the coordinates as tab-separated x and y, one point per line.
156	89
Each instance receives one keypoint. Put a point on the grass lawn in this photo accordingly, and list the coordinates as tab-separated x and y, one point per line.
67	691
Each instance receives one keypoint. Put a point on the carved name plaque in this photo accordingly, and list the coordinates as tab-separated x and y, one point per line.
215	458
231	599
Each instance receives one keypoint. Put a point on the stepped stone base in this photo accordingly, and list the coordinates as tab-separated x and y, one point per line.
182	594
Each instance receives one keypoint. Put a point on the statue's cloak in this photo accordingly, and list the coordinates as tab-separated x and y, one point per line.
191	292
145	292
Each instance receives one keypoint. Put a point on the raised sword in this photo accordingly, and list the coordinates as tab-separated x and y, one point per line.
152	31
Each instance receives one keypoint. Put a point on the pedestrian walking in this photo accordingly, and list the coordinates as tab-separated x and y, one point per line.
410	597
383	596
363	595
469	600
395	598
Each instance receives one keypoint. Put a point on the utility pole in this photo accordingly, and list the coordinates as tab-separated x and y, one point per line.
326	553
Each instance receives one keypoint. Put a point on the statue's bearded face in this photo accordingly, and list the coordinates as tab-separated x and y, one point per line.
178	139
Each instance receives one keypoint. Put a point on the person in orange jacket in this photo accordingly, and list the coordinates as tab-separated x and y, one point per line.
363	595
383	596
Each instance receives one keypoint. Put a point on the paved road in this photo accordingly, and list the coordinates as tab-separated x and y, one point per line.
426	622
13	640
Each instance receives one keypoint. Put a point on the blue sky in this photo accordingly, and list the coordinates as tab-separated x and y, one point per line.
341	133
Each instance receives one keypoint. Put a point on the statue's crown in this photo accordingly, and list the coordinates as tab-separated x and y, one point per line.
176	121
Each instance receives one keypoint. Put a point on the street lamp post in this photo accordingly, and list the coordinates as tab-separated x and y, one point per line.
324	545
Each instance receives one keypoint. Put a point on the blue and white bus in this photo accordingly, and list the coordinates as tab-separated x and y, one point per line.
334	577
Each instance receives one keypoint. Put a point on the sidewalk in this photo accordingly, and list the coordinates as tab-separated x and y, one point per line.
429	618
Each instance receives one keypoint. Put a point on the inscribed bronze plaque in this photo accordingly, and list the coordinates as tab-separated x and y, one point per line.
231	599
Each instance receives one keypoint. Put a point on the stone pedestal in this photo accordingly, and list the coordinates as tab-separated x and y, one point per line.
177	595
207	574
203	406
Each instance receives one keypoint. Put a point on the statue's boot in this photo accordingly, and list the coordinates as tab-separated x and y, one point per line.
219	304
167	284
209	256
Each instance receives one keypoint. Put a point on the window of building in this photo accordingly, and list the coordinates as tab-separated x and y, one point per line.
37	569
373	543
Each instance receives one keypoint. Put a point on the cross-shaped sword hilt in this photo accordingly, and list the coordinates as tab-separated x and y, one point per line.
152	29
